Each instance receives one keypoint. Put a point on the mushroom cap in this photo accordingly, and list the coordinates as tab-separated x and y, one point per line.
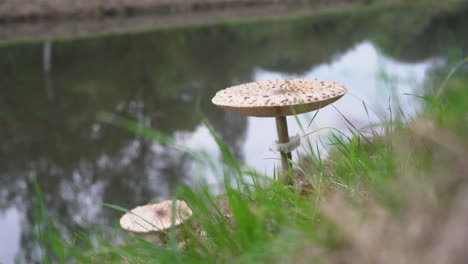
155	217
274	98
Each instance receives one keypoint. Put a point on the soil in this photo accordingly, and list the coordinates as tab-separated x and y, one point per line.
20	19
24	10
20	10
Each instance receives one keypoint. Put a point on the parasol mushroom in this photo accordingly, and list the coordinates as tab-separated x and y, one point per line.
280	98
152	220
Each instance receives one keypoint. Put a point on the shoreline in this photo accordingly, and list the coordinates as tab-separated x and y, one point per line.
63	28
26	11
73	27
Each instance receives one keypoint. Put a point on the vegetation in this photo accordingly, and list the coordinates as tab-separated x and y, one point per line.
396	193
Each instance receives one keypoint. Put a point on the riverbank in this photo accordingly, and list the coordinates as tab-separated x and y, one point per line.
30	11
46	19
76	27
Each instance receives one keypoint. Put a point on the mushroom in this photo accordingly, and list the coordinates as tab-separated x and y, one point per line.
280	98
151	221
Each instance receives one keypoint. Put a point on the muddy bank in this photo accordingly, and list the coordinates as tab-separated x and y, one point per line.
27	10
57	25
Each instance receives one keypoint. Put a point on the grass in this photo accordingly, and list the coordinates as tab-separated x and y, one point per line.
394	197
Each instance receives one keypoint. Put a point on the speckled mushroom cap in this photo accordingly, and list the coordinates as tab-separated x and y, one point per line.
279	97
155	217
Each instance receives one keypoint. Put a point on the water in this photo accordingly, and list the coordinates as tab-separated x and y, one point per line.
51	92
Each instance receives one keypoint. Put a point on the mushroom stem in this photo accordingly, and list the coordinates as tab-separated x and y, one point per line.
283	137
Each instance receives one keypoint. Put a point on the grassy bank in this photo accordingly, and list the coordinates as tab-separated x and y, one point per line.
394	192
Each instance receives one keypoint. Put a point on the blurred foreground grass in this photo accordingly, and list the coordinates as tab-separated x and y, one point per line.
396	192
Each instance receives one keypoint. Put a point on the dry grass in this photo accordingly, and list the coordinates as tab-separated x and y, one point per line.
430	226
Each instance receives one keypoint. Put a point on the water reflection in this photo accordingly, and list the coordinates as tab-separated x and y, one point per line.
48	110
10	233
361	69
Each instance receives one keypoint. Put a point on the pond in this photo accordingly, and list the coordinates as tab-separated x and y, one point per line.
52	91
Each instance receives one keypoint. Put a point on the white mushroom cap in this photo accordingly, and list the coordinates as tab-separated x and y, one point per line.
279	97
155	217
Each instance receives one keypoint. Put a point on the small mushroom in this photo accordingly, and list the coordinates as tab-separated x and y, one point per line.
280	98
153	220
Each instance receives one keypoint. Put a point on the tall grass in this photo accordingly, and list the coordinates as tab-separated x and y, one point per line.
397	197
